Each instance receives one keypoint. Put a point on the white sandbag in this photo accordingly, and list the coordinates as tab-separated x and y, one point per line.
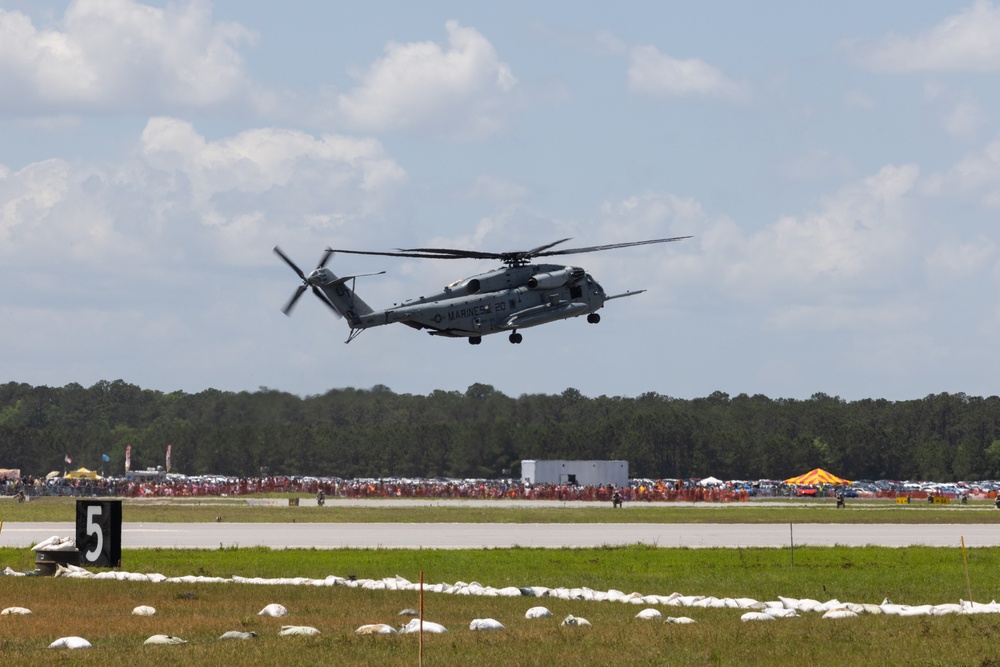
538	612
165	640
274	610
428	626
298	631
70	642
15	611
485	625
575	622
756	616
375	629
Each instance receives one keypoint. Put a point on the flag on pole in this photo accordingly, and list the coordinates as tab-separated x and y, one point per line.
168	457
105	457
68	459
128	457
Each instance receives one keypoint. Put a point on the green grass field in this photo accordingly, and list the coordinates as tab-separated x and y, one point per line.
101	610
199	613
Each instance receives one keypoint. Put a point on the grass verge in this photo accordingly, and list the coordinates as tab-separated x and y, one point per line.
239	511
100	610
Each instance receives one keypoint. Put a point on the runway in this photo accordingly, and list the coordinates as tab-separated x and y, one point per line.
498	536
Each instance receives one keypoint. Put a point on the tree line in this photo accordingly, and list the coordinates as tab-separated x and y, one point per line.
483	433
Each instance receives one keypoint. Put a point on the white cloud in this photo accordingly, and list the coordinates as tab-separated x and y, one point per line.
967	41
463	91
120	54
257	160
842	259
856	240
965	119
976	173
653	73
183	194
838	317
960	260
608	42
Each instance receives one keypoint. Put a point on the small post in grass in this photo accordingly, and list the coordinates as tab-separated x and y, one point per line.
968	584
791	537
420	659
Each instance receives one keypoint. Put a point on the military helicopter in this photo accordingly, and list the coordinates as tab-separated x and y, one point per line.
519	295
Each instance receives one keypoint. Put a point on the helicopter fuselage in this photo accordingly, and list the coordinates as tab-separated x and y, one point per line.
505	299
520	295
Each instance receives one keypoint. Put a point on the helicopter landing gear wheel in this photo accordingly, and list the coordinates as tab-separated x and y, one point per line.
515	338
593	318
475	340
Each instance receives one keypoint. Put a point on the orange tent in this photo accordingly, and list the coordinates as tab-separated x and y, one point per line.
817	476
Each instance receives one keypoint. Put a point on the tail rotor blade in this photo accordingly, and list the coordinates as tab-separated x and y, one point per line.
287	310
322	297
325	259
290	263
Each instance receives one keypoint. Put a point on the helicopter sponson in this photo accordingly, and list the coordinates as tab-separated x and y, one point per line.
518	296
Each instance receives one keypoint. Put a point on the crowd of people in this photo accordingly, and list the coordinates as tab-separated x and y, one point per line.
186	487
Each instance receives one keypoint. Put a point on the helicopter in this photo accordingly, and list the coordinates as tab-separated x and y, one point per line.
518	295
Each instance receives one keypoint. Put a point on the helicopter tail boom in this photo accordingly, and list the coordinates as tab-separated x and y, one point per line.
344	299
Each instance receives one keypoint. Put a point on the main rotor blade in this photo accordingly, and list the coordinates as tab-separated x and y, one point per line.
449	253
325	259
290	263
424	254
534	252
610	246
511	257
287	310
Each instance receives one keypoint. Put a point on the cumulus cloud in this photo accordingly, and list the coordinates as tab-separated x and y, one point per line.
967	41
653	73
856	239
977	173
462	91
836	260
965	119
120	54
183	194
961	260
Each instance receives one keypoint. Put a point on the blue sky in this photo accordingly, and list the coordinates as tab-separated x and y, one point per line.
838	166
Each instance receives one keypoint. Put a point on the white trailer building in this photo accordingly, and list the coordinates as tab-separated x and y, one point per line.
584	473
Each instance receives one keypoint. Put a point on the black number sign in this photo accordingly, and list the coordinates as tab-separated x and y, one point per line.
99	532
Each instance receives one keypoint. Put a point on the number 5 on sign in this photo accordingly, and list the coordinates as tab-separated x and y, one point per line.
99	532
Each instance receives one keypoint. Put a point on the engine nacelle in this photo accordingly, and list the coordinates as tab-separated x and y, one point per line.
555	279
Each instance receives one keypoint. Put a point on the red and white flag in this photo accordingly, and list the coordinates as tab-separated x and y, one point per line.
128	458
68	459
168	457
